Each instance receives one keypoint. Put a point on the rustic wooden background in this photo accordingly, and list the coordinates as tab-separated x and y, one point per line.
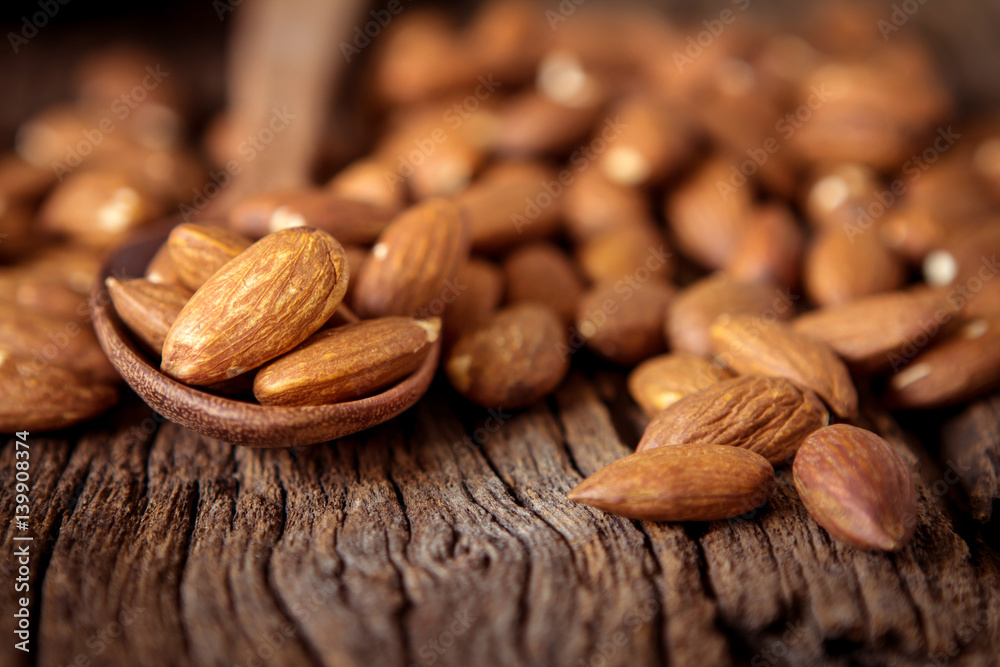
444	537
440	539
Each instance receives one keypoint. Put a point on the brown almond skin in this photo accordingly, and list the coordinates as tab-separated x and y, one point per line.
197	251
593	204
251	216
835	193
753	346
273	296
632	251
962	366
39	293
530	123
658	383
842	265
347	220
857	487
160	269
654	142
49	398
771	249
769	416
866	331
625	325
505	206
984	303
50	340
347	363
542	272
696	307
413	262
517	357
709	224
98	207
146	308
356	258
683	483
365	181
480	287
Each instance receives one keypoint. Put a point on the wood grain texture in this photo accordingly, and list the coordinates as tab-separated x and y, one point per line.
444	537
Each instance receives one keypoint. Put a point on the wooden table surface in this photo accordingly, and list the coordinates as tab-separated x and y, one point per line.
445	538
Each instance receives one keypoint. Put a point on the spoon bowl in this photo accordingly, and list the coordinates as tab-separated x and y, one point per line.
234	421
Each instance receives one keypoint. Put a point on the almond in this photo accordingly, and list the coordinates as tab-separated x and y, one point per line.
658	383
148	309
836	193
543	273
509	204
531	123
445	169
845	264
771	250
516	358
857	487
683	483
709	221
347	363
866	331
365	181
632	252
348	220
98	207
754	346
197	251
49	296
160	269
47	398
593	204
625	324
653	142
273	296
769	416
48	340
480	287
958	368
696	307
412	262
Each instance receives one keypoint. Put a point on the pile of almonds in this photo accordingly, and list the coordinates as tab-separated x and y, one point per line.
753	231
